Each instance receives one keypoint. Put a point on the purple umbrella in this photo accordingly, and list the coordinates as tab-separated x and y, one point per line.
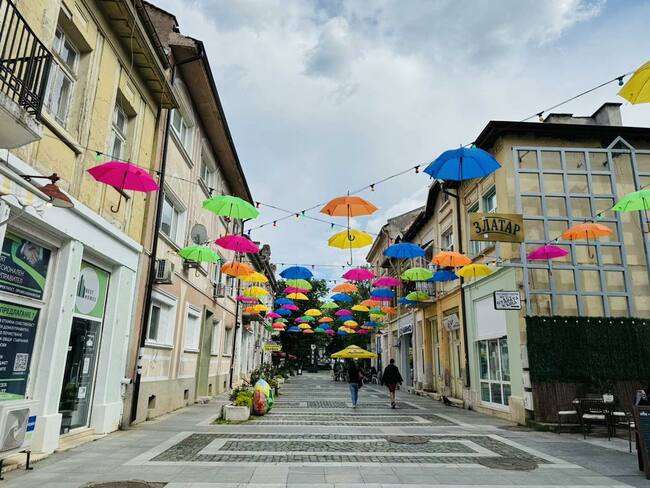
547	252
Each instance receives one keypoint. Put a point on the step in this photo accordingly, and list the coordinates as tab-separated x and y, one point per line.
77	438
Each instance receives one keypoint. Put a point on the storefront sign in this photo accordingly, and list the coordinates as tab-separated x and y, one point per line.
272	347
451	322
17	333
406	328
91	291
23	267
496	227
507	300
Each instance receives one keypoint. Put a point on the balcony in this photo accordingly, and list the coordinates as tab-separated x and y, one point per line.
24	68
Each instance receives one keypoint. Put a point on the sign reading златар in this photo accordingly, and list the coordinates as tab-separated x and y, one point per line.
496	227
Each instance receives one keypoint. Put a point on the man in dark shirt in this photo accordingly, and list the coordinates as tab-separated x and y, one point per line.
391	378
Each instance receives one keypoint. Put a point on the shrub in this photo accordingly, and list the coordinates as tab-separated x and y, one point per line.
244	399
240	389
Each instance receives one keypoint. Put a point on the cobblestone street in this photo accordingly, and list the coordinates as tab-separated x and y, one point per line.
313	437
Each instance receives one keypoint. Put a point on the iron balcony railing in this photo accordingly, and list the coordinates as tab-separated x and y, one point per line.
24	60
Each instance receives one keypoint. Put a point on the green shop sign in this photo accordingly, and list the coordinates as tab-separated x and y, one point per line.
91	291
23	267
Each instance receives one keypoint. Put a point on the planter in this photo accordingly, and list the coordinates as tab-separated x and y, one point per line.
236	414
280	380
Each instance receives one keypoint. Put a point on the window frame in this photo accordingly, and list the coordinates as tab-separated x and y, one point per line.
183	133
166	321
179	234
192	314
447	233
61	68
488	380
117	134
228	339
215	347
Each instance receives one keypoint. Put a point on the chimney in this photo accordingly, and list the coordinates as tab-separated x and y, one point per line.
609	113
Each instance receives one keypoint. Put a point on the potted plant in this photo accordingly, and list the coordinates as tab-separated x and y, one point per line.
273	383
239	409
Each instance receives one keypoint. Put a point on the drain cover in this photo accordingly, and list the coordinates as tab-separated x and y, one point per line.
508	463
125	484
407	439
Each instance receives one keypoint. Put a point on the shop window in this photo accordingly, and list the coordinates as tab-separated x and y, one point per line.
494	371
192	330
62	77
117	140
216	337
182	130
172	221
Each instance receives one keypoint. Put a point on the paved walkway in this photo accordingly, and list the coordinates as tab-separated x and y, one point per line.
314	438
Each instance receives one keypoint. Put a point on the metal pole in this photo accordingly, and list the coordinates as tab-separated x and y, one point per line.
462	293
237	325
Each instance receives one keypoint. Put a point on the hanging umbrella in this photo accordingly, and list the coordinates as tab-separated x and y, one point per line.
474	271
319	330
377	311
329	306
304	326
343	312
451	259
290	306
296	273
307	318
341	297
443	275
362	331
249	310
307	331
346	288
417	274
325	326
387	281
360	308
293	329
124	176
255	278
255	291
299	283
547	252
231	207
350	239
348	206
273	315
587	231
351	323
281	319
297	296
389	310
260	308
406	301
382	293
372	325
278	326
353	352
368	303
329	332
637	200
283	301
374	316
299	320
344	318
236	269
637	88
417	296
461	164
325	320
381	299
242	298
358	274
292	289
341	331
199	254
404	250
313	312
283	312
237	243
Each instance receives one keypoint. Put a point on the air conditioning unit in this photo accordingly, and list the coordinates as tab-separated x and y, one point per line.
164	271
16	426
218	290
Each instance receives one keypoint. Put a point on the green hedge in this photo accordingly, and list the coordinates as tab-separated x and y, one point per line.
588	350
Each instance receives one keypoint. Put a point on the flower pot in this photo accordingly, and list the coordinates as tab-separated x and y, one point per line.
236	414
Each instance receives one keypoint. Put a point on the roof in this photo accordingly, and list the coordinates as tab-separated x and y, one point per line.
434	189
394	226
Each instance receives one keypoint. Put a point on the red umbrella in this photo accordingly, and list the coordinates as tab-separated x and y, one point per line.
237	243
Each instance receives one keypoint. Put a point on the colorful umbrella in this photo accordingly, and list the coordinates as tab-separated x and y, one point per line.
199	254
281	319
358	274
124	176
350	239
319	330
255	278
417	296
273	315
547	252
237	243
299	283
461	164
404	250
380	299
382	293
377	311
343	318
360	308
260	308
587	231
304	326
255	291
372	325
362	331
341	297
293	329
307	318
296	273
231	207
637	88
451	259
290	306
249	310
329	306
329	332
283	301
236	269
343	312
351	323
387	281
348	206
341	331
443	275
474	271
346	288
417	274
325	320
637	200
283	312
406	301
242	298
354	352
307	331
297	296
313	312
368	303
292	289
389	310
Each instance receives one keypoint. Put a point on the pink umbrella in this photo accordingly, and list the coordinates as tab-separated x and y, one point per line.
547	252
387	281
292	289
245	299
358	274
124	176
362	331
380	299
299	320
237	243
342	312
330	331
273	315
290	306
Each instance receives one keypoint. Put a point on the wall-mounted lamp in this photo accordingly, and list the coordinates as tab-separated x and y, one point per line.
51	190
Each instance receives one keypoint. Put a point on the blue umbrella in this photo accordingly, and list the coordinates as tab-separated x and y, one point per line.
343	318
404	250
371	324
461	164
296	273
382	293
283	311
324	326
341	297
406	301
293	329
284	301
443	275
341	332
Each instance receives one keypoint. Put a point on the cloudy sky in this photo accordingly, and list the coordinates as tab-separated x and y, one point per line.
327	96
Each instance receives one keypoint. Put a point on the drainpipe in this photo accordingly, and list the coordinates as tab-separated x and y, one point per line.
151	271
462	293
237	324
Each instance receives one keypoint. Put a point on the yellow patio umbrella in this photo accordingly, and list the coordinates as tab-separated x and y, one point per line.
353	352
297	296
360	308
255	291
255	278
313	312
474	271
350	239
637	88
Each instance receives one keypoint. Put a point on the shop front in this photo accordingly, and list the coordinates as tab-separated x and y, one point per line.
405	347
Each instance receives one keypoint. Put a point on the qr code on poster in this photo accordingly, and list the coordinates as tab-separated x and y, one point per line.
20	364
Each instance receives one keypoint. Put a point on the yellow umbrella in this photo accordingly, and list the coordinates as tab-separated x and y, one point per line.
474	271
352	352
255	291
255	278
297	296
376	316
304	326
360	308
313	312
637	88
350	323
350	239
261	308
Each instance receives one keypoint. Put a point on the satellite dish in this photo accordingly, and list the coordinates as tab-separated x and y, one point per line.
199	234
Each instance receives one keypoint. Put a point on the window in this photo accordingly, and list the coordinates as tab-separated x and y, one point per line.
161	322
436	348
172	220
475	247
494	371
447	239
117	141
229	337
231	289
216	337
62	77
490	201
192	330
208	174
182	130
217	275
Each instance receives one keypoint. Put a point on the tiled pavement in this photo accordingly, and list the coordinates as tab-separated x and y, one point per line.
314	438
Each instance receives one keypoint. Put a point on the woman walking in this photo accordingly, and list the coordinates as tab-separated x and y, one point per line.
391	378
355	379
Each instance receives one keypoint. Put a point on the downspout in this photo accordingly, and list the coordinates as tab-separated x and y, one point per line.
462	293
237	324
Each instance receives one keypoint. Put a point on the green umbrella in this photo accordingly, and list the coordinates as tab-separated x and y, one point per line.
199	254
376	311
232	207
319	330
637	200
329	306
307	318
282	319
417	274
417	296
303	284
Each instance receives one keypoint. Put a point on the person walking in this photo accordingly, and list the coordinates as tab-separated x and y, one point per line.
390	379
355	379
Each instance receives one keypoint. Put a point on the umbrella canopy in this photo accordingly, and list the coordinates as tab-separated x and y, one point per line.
417	296
307	318
293	329
377	311
341	297
351	323
199	254
360	308
637	200
348	206
443	275
461	164
474	271
362	331
417	274
231	207
313	312
296	273
353	352
380	299
260	308
343	312
319	330
346	288
637	88
255	278
343	318
387	281
374	316
329	306
281	320
304	326
329	332
290	306
382	293
297	296
325	320
368	303
283	312
237	243
350	239
236	269
249	310
451	259
404	250
273	315
124	176
307	331
371	324
587	231
406	301
299	283
341	331
292	289
358	274
389	310
255	291
242	298
547	252
283	301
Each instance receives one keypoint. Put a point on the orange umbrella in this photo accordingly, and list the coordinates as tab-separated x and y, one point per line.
587	231
389	310
348	206
451	259
237	269
368	303
325	320
345	288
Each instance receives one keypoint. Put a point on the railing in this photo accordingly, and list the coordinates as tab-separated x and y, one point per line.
24	60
